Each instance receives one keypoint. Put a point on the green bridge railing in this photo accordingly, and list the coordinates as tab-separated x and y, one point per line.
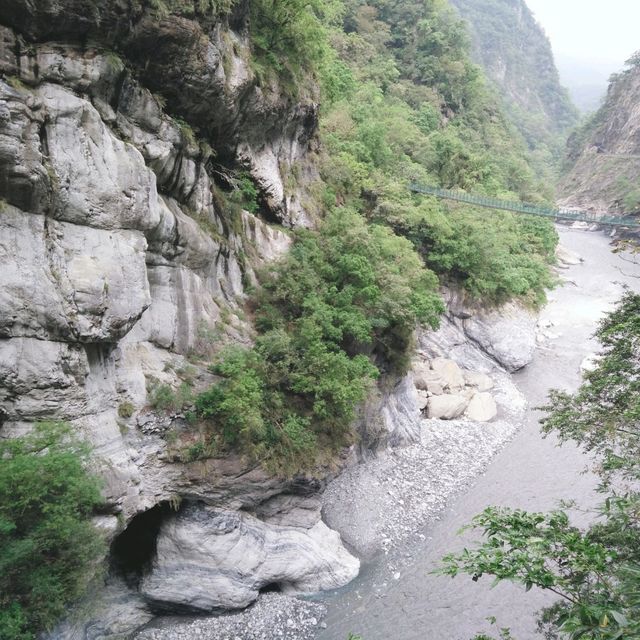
525	208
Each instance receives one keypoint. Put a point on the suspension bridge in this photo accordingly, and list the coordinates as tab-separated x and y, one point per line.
526	208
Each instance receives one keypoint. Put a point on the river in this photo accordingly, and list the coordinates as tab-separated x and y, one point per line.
531	472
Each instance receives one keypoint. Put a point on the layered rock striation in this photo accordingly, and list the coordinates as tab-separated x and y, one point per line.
123	259
211	560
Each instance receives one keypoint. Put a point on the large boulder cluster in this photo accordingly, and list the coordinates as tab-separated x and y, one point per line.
446	392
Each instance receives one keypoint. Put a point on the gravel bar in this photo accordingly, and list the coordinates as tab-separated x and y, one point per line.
273	616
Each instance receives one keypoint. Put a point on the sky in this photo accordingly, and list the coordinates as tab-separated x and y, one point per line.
603	31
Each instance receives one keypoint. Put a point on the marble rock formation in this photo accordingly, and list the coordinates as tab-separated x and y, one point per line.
210	559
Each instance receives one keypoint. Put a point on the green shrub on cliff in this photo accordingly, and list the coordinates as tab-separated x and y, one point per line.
506	258
343	298
191	8
48	546
402	102
289	37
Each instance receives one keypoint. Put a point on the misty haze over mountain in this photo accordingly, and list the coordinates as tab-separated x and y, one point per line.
589	43
586	80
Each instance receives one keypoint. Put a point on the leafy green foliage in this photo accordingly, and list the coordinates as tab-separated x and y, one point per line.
633	61
596	572
342	296
545	551
126	409
289	36
504	633
191	8
420	111
48	547
246	194
628	193
402	102
237	401
163	397
492	262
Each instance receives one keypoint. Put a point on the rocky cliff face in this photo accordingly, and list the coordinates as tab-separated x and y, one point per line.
121	259
134	63
516	54
124	264
604	154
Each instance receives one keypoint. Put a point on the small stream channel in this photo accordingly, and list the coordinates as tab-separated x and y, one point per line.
407	602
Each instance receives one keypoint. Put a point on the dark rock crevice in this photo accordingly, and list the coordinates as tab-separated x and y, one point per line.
134	550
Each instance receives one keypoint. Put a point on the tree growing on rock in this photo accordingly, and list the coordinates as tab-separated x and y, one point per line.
48	547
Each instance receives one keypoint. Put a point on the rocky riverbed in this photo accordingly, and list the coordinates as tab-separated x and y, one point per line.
399	511
396	594
272	617
382	503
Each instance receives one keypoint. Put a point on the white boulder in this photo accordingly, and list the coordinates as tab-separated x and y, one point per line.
482	408
446	407
211	559
481	381
507	334
423	399
424	377
449	372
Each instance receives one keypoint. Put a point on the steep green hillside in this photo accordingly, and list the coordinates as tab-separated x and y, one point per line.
419	109
402	102
516	54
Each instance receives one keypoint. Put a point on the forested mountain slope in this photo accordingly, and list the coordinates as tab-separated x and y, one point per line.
603	155
417	109
516	55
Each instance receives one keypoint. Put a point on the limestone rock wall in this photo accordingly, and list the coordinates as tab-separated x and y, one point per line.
122	262
196	61
604	154
107	282
124	267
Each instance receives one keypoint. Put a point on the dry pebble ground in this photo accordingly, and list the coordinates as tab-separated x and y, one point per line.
273	617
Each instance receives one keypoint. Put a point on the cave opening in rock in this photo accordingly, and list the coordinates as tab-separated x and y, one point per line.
272	587
133	551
